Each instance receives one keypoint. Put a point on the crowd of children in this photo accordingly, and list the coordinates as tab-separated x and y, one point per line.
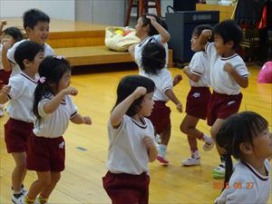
36	85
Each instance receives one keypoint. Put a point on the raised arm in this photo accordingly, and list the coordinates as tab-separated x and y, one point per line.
165	36
120	110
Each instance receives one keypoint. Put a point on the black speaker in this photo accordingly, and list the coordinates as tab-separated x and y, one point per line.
181	25
185	5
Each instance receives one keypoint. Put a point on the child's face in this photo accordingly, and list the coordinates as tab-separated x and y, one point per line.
64	81
195	44
39	33
147	105
140	30
262	145
7	39
224	49
33	66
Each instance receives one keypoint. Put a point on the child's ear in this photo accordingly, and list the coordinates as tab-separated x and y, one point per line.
246	148
230	43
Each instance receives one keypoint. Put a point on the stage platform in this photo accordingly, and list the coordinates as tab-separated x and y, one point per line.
82	43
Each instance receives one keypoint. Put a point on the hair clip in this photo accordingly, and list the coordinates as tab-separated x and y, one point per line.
59	57
42	80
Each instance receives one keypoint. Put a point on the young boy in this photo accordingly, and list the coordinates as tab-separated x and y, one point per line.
228	74
36	25
19	92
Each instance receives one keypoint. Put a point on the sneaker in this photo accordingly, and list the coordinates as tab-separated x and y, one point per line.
23	190
219	172
209	144
162	160
1	112
191	161
17	198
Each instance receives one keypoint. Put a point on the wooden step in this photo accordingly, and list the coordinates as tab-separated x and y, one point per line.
95	55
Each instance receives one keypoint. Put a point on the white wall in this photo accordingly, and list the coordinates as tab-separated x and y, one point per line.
60	9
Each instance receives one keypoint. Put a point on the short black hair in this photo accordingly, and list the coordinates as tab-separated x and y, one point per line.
229	31
33	16
26	50
14	32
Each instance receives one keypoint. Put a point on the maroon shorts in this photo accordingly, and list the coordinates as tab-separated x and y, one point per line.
45	154
221	106
197	102
160	116
4	77
17	133
127	188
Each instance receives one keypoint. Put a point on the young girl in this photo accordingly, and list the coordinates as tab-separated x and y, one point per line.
198	97
149	28
19	92
53	109
153	60
228	73
246	137
131	138
9	36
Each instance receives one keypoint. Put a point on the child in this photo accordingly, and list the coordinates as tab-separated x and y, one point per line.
20	92
53	109
8	37
148	29
132	144
228	74
246	137
36	25
198	73
153	60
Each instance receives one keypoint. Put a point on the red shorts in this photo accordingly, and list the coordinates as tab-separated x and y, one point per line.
17	133
127	188
221	106
160	116
4	77
197	102
45	154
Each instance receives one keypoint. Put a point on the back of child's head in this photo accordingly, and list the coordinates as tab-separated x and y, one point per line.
146	22
128	85
229	30
236	130
153	58
51	70
14	32
33	16
27	50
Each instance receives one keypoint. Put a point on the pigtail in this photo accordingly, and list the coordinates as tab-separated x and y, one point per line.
229	170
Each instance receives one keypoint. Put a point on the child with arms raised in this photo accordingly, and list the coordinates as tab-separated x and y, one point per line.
19	92
53	108
153	60
198	72
36	25
228	73
246	137
132	144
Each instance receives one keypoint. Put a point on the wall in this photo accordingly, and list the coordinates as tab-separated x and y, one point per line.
59	9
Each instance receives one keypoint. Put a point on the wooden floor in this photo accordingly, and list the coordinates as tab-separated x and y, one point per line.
87	146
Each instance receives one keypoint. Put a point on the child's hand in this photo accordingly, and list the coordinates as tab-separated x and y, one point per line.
3	22
208	33
149	142
6	89
152	19
177	79
140	91
87	120
228	67
71	91
179	107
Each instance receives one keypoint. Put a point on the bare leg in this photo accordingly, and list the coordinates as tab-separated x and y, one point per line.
215	128
19	172
55	177
165	135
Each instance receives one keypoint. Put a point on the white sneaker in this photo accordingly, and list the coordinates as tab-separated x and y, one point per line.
209	143
23	190
2	112
17	198
191	161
